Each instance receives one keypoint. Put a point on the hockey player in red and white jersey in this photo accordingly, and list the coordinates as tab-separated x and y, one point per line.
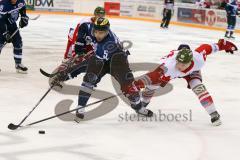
73	33
187	64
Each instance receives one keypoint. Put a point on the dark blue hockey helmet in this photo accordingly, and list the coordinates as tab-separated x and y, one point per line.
181	46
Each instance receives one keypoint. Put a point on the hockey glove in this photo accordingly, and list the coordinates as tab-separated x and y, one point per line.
7	37
24	21
228	46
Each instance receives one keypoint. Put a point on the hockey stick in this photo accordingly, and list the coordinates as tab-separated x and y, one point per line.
10	37
61	114
49	75
12	126
35	18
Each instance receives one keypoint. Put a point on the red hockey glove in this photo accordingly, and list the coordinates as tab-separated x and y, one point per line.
229	47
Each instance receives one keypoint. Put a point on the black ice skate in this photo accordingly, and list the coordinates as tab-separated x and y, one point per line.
20	68
226	36
231	37
215	119
140	109
79	115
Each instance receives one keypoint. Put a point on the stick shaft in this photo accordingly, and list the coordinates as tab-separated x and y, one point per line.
58	115
36	105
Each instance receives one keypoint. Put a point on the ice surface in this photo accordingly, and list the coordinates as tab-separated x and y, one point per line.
107	137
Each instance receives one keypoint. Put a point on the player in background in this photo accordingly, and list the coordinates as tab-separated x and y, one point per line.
167	13
73	65
73	33
109	58
9	14
187	64
232	12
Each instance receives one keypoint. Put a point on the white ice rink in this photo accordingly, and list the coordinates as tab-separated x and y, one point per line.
107	137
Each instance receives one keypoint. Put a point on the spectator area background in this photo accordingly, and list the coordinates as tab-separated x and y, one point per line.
209	14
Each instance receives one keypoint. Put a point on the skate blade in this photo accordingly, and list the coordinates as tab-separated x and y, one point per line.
144	115
21	72
217	123
79	118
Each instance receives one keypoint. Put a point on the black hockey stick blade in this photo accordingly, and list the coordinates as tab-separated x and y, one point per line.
48	74
12	126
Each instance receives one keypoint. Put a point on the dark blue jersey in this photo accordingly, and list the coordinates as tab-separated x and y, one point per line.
232	8
9	13
104	49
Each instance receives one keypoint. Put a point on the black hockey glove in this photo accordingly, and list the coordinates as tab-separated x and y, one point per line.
79	49
7	37
24	21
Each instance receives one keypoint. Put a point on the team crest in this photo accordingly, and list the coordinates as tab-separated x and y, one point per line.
20	5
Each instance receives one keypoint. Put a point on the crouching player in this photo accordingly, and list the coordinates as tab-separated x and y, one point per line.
187	64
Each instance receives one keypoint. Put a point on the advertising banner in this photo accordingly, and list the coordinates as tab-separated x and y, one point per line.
184	15
127	9
112	8
189	15
54	5
198	16
216	18
147	10
30	4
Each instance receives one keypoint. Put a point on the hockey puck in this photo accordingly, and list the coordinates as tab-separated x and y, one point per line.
41	132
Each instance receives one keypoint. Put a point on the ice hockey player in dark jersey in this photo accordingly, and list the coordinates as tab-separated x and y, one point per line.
232	12
108	58
9	14
187	64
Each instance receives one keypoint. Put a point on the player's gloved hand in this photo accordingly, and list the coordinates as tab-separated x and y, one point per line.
80	53
228	46
56	82
24	21
61	76
63	67
7	37
79	48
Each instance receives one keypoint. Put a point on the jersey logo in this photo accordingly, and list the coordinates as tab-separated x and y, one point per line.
20	5
111	47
